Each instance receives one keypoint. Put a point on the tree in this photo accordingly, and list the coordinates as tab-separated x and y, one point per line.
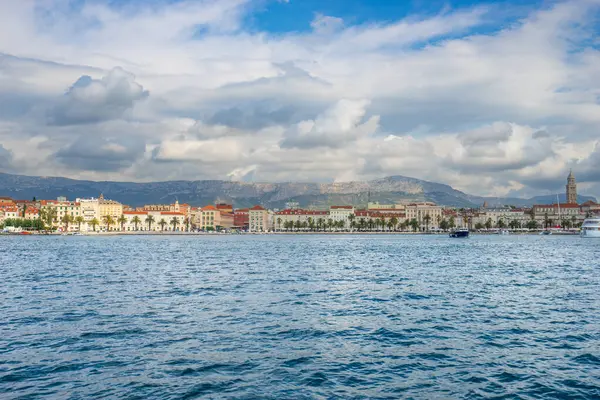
451	223
514	224
381	222
546	221
311	224
394	222
136	221
108	221
175	222
427	219
279	223
414	224
320	223
297	225
149	221
162	224
187	222
566	223
66	219
532	225
444	224
573	220
94	223
371	224
79	220
489	224
479	226
351	218
122	220
50	215
329	223
390	225
501	224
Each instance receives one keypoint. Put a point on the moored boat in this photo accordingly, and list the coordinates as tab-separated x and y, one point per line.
590	228
460	233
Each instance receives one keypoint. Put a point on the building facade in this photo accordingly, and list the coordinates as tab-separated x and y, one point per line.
258	219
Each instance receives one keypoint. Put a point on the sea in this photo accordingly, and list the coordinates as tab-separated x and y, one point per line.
299	317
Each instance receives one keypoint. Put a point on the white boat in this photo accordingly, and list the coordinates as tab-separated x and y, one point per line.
503	232
590	228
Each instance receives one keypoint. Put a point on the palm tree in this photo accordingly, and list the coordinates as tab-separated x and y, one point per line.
501	224
351	218
50	215
79	220
427	219
414	224
162	224
94	223
546	221
381	222
121	220
297	225
108	220
278	223
573	220
320	223
311	224
394	221
136	220
66	219
149	221
175	222
362	224
390	225
187	221
329	223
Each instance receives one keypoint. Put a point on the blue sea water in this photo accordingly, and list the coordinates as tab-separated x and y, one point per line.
299	317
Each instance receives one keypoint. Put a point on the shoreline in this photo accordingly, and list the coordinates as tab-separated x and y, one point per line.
167	233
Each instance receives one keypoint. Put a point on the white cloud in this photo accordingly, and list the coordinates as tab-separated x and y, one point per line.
491	113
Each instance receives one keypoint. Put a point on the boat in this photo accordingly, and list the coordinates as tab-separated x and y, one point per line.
545	233
590	228
503	232
460	233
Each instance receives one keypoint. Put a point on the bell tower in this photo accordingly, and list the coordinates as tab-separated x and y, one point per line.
571	189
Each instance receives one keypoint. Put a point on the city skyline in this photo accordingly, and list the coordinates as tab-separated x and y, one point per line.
492	99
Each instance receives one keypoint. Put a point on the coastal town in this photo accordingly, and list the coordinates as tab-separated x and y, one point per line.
102	215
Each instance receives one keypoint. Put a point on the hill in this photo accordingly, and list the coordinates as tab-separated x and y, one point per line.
242	194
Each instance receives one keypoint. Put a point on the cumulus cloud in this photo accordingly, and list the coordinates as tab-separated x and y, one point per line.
335	128
94	100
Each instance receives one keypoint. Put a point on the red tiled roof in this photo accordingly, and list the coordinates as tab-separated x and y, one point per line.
556	206
342	207
212	208
257	208
301	212
135	212
170	213
241	210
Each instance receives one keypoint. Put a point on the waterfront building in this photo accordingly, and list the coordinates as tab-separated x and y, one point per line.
173	221
241	218
341	213
427	214
90	208
222	207
258	219
590	208
60	209
571	189
111	208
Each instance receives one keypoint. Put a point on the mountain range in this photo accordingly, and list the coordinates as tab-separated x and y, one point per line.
392	189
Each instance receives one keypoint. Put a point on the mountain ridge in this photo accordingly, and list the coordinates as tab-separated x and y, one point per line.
389	189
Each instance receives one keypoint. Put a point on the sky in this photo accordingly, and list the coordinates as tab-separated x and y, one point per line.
498	98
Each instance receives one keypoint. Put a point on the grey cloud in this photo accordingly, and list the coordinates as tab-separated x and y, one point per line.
95	153
95	100
6	158
253	117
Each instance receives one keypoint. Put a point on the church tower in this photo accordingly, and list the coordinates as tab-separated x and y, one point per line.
571	189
